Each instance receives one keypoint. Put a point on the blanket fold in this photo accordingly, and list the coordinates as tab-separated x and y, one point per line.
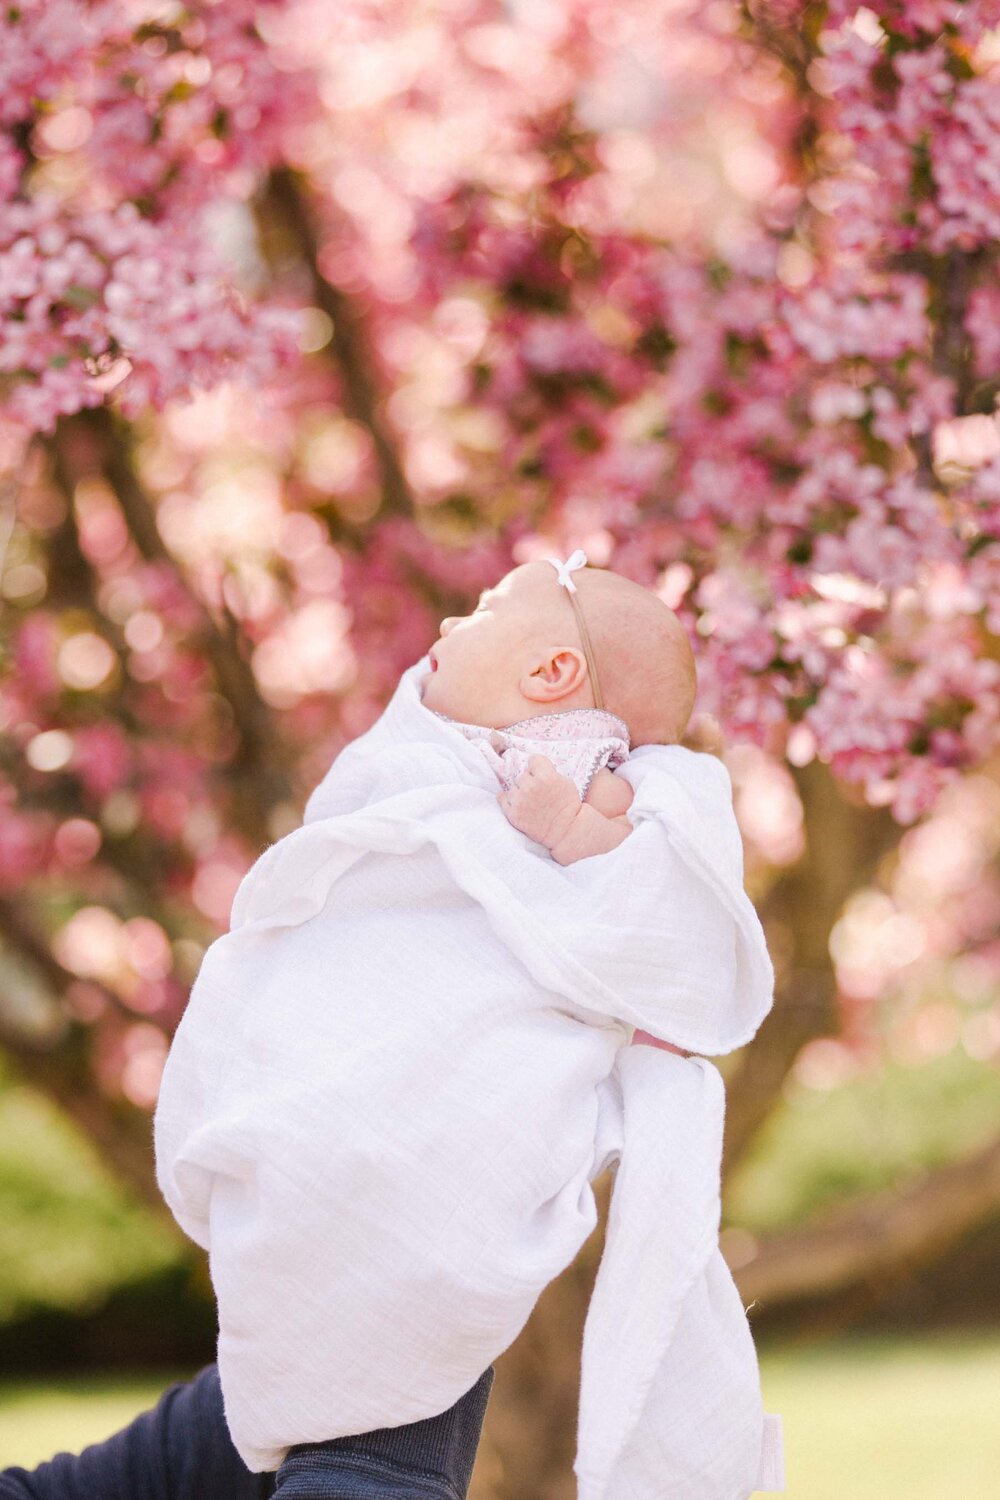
403	1067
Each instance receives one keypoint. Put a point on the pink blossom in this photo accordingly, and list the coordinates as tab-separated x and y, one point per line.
36	644
880	322
982	320
102	758
24	847
965	155
743	389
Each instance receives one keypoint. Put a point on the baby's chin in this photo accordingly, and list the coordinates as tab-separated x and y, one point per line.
435	696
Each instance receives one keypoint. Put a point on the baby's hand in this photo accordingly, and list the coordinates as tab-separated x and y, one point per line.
543	804
655	1041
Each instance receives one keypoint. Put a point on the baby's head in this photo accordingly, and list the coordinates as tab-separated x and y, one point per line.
520	654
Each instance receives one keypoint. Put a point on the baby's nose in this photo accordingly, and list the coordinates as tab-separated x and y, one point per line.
446	625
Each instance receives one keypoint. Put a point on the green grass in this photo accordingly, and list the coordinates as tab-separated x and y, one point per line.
901	1419
822	1145
41	1417
69	1232
865	1419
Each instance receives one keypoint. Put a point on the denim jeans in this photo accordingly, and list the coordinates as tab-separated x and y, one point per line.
181	1450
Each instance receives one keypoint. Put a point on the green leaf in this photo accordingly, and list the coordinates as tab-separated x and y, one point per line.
80	297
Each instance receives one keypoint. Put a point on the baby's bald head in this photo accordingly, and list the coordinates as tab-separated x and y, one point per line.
521	653
644	659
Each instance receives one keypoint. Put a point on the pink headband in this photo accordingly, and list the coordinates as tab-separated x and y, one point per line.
564	570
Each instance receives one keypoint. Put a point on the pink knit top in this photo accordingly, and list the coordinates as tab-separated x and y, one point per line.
578	742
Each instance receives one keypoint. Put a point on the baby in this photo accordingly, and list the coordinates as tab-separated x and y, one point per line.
403	1067
503	665
514	658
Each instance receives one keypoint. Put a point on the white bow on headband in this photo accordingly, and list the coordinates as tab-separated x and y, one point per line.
564	569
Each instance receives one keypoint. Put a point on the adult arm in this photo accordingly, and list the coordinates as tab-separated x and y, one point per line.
178	1450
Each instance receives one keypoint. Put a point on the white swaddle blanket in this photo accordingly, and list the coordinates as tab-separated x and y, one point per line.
403	1067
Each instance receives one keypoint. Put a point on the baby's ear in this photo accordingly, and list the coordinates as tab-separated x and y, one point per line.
554	674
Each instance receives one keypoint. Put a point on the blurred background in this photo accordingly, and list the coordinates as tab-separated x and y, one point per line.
316	318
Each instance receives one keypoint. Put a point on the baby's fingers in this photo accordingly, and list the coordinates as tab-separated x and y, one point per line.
540	765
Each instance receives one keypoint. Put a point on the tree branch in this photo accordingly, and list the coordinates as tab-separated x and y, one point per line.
260	770
876	1239
350	345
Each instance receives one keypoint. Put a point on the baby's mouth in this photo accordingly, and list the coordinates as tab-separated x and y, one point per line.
433	660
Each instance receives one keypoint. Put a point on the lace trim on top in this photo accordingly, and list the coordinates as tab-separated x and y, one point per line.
578	741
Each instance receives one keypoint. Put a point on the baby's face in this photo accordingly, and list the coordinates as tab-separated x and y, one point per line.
479	658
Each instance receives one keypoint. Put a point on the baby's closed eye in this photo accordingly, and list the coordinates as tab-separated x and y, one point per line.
609	794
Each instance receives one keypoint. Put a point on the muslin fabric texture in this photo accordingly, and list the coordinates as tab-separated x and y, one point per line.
400	1072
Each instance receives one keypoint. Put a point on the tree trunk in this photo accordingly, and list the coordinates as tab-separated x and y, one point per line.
844	843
